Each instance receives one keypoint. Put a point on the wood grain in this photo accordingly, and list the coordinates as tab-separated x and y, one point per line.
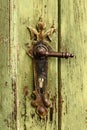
74	71
16	69
27	15
7	86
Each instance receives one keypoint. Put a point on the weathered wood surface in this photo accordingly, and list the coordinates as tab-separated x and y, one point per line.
16	79
74	71
7	85
16	72
28	14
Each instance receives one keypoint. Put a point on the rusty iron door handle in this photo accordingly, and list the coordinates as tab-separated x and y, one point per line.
40	51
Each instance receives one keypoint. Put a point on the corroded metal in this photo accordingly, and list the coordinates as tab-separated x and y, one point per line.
39	52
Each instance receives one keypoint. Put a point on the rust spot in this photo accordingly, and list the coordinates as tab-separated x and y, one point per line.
10	122
60	101
55	102
45	6
51	114
25	113
6	83
18	53
25	91
46	118
14	87
32	115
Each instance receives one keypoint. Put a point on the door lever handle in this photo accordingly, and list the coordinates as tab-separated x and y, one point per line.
42	52
39	52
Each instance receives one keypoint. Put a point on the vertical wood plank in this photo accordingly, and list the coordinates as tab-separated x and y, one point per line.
74	71
7	109
13	58
28	14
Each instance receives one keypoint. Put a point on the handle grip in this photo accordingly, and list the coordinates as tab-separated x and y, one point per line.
42	52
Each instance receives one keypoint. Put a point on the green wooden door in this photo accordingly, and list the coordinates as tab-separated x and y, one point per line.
66	77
